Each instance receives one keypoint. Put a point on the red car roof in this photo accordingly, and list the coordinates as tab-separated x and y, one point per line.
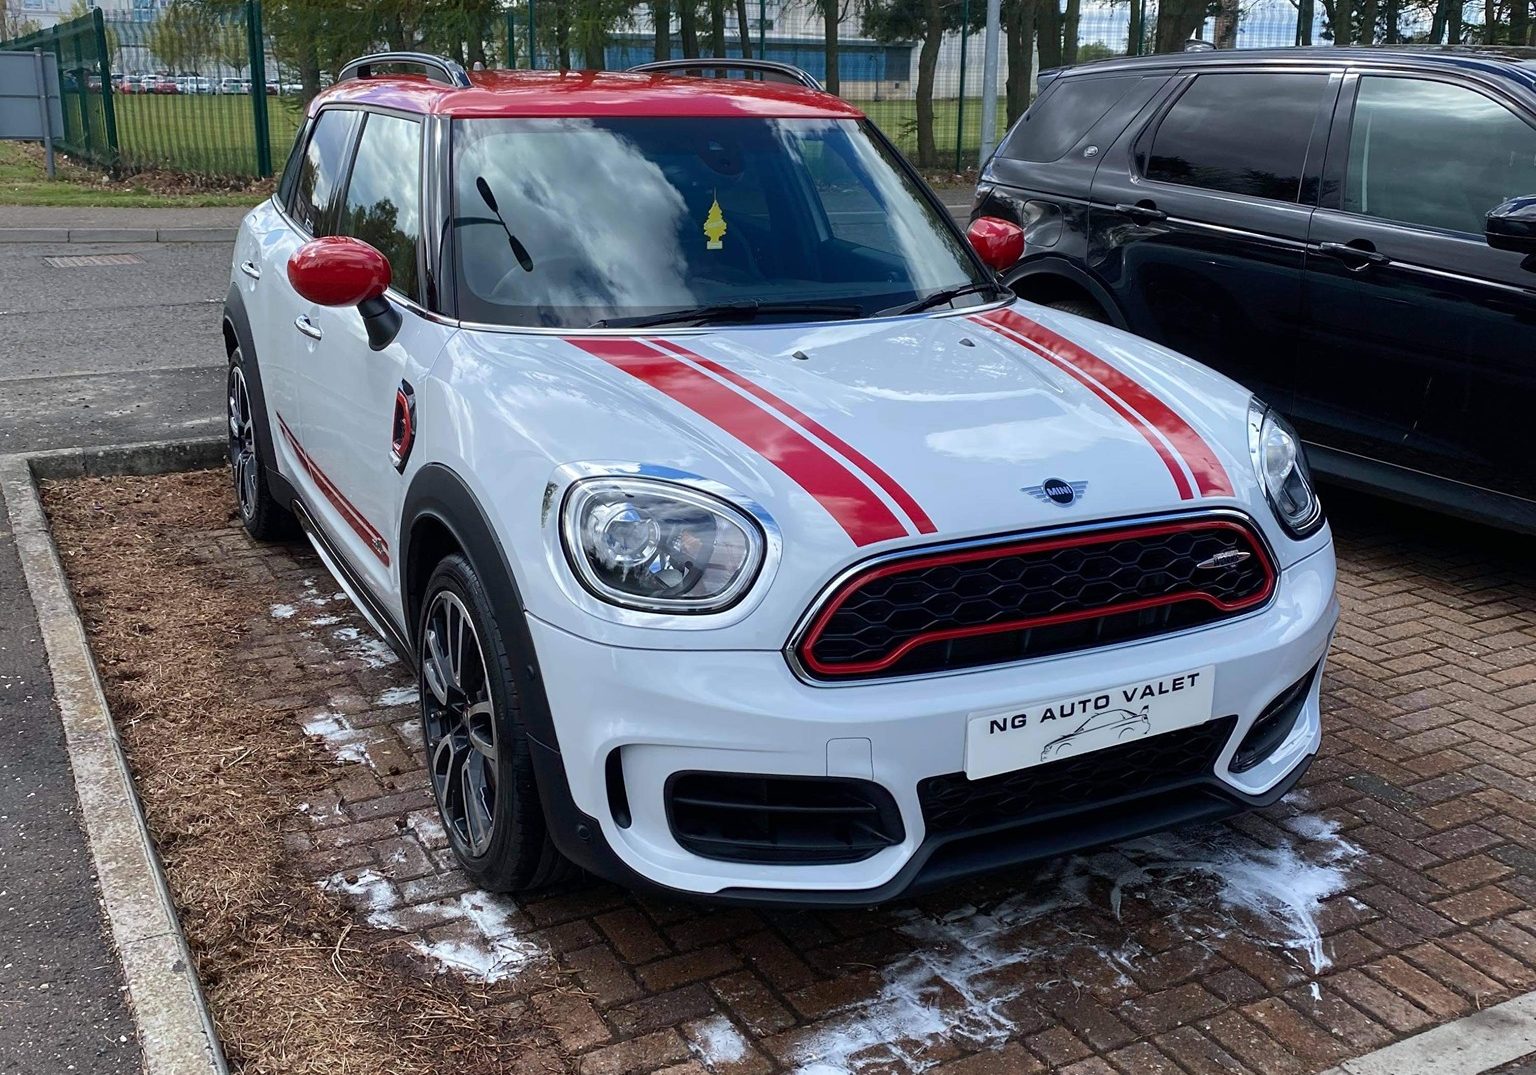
589	93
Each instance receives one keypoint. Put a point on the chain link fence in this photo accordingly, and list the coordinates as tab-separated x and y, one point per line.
217	87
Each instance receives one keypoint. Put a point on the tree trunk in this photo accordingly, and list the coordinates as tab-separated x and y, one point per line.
594	36
1226	25
661	15
831	10
927	61
717	27
1343	22
1048	22
1177	21
1520	22
309	68
1136	35
688	26
1368	12
563	34
744	28
1453	24
1394	14
1019	25
1490	22
1069	27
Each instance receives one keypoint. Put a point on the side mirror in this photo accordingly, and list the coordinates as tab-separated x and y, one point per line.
1512	226
1000	243
339	271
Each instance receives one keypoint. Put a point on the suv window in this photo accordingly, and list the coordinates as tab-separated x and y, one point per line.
383	206
1240	133
1066	112
320	170
1435	154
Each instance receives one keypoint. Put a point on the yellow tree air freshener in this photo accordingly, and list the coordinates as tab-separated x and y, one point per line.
714	227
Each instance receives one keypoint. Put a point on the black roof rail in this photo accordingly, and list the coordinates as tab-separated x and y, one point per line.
438	68
770	70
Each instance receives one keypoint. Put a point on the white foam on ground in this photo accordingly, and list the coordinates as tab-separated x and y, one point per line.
953	985
486	948
717	1041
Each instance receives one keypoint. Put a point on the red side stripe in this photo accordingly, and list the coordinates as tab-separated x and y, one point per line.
1176	472
354	518
1209	474
848	500
872	471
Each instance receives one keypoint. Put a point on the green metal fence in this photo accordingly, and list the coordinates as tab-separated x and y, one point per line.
217	87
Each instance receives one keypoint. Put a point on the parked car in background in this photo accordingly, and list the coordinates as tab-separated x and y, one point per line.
232	86
748	538
165	84
1350	232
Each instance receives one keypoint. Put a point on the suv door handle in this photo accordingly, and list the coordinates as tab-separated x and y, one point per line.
250	269
1142	212
308	327
1355	258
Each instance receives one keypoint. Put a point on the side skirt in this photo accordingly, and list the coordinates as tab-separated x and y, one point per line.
354	587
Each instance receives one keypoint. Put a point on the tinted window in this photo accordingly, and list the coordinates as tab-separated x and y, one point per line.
384	194
1066	113
1435	154
1241	133
320	170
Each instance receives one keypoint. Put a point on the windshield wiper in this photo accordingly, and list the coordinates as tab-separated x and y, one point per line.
938	298
748	310
519	251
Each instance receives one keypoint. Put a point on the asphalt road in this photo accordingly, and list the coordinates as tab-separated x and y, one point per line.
88	357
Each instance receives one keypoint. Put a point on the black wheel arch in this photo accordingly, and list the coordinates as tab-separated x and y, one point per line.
236	329
1048	278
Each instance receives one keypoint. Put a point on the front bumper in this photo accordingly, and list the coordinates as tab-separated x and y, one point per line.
667	712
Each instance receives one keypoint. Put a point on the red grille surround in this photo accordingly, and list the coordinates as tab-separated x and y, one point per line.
1125	583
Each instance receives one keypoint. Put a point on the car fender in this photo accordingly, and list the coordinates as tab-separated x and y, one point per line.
237	322
1058	266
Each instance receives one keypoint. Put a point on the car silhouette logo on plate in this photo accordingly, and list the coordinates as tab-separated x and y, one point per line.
1056	491
1224	558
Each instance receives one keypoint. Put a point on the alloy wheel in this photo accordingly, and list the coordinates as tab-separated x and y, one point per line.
242	442
459	720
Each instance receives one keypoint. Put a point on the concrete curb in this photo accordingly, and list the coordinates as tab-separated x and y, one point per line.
118	235
176	1031
1471	1045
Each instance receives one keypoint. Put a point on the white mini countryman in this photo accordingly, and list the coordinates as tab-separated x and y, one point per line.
748	538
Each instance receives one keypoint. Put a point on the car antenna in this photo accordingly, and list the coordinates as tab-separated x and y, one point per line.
519	251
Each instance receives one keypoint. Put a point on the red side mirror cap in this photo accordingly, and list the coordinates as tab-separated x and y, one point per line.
338	271
1000	243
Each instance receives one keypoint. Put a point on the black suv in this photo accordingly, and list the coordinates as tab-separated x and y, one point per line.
1349	232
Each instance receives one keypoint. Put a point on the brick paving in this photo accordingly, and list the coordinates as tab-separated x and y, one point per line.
1393	892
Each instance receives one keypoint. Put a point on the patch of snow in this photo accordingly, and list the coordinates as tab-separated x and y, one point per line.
953	985
365	646
717	1041
346	743
324	621
396	696
486	948
282	612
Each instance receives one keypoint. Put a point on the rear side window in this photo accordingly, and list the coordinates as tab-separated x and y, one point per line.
320	171
1239	133
383	206
1061	117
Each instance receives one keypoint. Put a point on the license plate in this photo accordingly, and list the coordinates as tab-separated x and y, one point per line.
1004	740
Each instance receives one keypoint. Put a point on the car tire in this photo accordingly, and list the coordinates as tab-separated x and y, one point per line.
1081	307
260	513
478	756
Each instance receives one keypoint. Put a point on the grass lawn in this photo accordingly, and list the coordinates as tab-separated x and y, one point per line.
24	181
898	119
203	134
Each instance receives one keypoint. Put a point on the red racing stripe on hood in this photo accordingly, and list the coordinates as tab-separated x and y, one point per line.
871	471
1209	474
1136	422
852	503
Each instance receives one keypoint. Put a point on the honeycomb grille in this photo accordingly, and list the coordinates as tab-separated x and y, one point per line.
954	805
1036	597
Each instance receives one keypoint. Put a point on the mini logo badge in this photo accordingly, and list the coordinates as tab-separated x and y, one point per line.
1224	558
1056	491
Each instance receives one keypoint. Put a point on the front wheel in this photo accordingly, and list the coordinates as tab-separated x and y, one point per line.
478	755
260	513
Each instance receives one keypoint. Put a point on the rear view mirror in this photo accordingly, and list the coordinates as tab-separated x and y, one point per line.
1512	226
339	271
999	242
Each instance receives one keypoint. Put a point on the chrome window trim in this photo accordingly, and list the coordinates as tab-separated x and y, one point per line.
802	626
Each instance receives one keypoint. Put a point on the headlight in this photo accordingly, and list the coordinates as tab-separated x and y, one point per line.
660	547
1281	466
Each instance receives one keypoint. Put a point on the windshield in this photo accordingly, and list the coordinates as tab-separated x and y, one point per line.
568	222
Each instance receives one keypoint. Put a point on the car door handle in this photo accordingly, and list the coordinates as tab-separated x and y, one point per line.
250	269
1355	258
1142	212
308	327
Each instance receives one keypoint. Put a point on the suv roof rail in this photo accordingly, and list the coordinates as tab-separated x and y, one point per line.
781	72
438	68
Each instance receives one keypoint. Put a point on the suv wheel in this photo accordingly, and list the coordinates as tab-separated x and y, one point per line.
263	517
1081	307
477	746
